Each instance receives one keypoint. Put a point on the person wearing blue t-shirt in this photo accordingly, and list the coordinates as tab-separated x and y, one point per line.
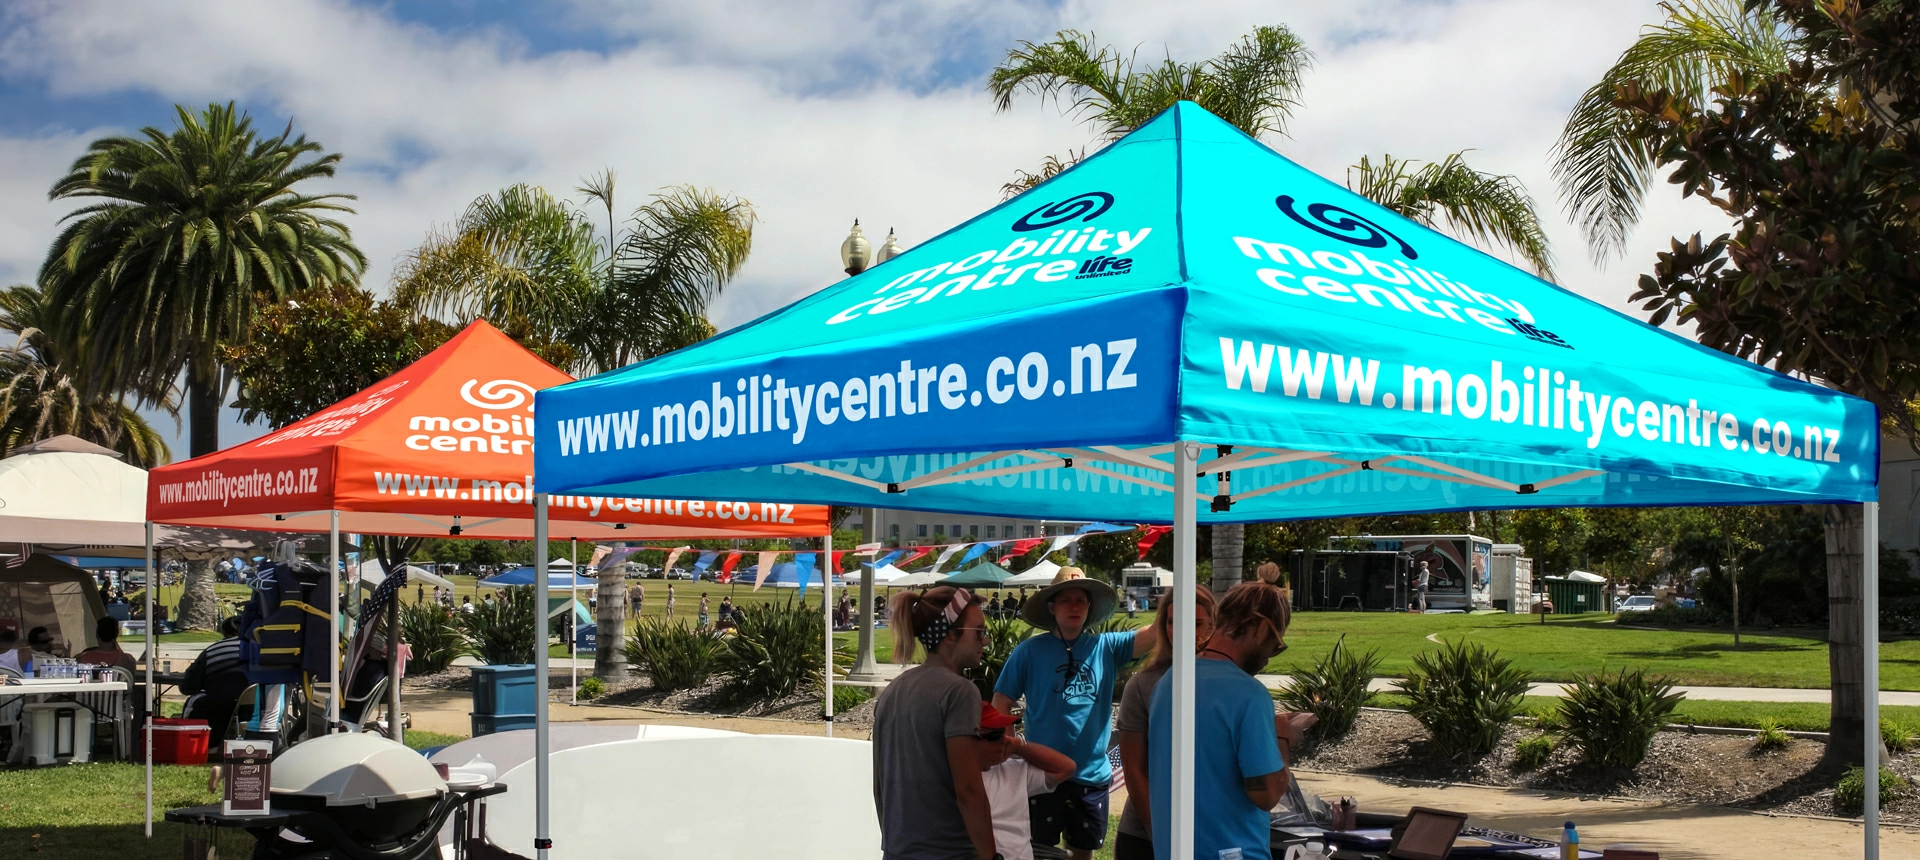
1066	679
1238	771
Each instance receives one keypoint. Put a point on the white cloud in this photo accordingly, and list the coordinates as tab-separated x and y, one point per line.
818	112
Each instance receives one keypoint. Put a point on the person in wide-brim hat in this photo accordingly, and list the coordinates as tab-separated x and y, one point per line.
1038	611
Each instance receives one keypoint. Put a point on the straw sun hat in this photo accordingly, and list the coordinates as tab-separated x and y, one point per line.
1038	610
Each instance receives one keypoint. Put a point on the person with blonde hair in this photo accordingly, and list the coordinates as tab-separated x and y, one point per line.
1135	840
1066	676
1239	773
927	784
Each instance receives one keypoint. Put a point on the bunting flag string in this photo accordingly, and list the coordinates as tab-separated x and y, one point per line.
674	556
945	553
726	567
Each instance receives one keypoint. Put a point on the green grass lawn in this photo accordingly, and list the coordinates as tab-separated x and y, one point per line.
1569	645
85	811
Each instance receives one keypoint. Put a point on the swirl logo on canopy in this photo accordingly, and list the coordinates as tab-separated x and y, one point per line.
1086	207
498	394
1345	226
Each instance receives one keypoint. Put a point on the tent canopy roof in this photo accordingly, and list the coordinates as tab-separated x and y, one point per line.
443	447
1189	283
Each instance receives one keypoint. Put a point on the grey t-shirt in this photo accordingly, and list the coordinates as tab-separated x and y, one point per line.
912	784
1134	704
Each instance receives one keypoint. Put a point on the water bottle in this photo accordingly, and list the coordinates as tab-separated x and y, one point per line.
1570	843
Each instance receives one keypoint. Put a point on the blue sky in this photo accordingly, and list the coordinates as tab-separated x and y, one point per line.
817	111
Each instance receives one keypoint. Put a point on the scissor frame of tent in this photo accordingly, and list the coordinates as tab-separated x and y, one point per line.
1188	328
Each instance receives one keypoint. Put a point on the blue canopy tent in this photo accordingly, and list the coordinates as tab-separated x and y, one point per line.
1186	328
787	574
524	576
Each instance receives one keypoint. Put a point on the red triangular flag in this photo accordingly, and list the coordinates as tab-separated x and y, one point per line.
1152	537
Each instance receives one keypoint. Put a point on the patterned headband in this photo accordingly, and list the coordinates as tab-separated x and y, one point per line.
936	630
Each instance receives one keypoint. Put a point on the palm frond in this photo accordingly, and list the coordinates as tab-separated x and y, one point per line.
1053	166
680	250
1602	168
1490	209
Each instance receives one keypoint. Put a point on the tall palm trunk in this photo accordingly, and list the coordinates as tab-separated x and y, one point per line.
1846	577
610	617
1229	551
204	393
199	609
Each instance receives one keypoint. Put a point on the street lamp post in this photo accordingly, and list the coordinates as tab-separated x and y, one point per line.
856	255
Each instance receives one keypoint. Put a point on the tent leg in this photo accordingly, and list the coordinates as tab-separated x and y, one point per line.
1185	466
152	655
541	770
573	634
1870	651
826	612
334	690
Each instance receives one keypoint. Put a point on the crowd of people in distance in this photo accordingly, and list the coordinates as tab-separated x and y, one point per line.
952	779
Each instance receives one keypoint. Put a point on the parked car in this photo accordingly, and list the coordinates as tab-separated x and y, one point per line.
1638	603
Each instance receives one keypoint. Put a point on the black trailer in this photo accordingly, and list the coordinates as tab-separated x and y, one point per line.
1350	579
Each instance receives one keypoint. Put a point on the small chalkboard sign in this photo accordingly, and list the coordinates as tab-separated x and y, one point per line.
248	782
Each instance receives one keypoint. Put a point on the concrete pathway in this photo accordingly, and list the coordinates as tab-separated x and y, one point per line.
1720	694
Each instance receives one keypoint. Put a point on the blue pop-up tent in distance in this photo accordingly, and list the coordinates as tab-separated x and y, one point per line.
1188	327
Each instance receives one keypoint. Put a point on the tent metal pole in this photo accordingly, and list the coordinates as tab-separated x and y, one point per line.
1185	467
541	768
826	614
152	646
573	635
334	690
1870	651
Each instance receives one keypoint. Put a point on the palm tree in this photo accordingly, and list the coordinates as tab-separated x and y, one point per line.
1253	85
1449	195
187	230
535	265
1603	165
44	392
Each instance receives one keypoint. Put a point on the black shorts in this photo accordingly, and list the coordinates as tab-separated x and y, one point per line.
1074	810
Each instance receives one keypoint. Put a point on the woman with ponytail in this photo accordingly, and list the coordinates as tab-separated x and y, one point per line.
1135	840
927	785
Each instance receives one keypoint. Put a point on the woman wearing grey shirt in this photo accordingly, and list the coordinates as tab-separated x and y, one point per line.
927	786
1135	842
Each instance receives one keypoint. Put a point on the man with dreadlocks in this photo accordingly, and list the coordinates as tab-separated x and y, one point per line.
927	785
1238	771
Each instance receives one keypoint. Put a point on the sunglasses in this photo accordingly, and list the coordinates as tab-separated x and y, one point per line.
982	631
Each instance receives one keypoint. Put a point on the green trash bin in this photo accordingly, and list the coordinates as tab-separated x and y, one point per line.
1574	596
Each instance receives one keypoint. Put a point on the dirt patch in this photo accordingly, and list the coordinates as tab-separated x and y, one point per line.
1722	770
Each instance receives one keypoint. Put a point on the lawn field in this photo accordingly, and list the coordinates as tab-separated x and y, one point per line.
1569	645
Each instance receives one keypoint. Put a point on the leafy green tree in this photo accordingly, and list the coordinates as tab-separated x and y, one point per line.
305	354
44	388
534	265
1554	537
183	231
1818	164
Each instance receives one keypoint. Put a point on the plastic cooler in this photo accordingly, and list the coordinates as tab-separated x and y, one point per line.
57	733
503	689
486	724
177	741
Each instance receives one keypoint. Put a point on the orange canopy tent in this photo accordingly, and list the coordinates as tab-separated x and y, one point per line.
442	448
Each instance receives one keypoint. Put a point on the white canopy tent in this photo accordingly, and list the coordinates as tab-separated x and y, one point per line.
914	580
1038	576
884	575
372	573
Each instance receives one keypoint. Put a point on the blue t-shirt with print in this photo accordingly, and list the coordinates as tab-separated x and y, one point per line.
1069	693
1234	739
